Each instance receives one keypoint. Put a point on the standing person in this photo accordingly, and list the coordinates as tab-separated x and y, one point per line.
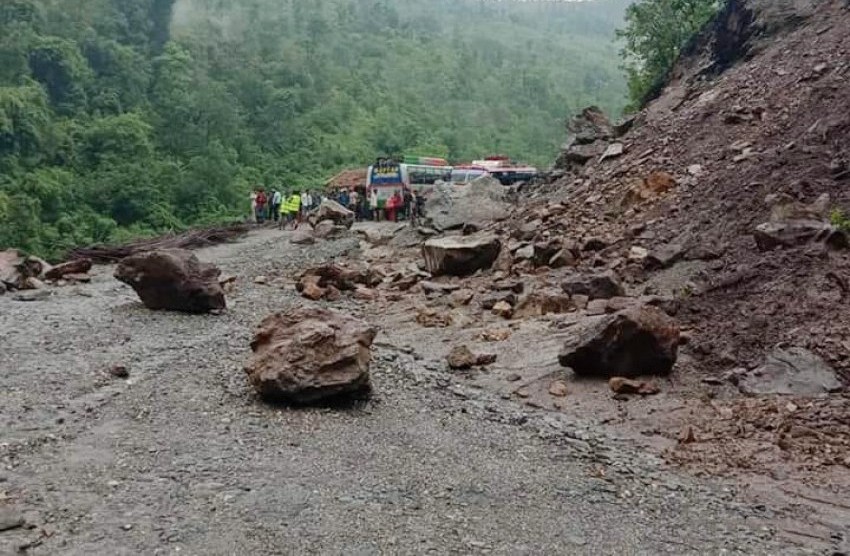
262	199
306	202
277	199
294	208
253	198
284	212
352	202
393	205
343	198
373	205
407	203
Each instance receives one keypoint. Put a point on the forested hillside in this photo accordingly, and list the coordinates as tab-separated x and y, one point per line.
121	118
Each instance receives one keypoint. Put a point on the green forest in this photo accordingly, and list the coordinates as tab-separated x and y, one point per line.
126	118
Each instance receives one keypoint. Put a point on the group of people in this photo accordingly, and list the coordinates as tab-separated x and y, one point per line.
289	209
403	204
275	206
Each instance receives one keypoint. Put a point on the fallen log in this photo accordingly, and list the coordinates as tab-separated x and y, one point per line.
193	239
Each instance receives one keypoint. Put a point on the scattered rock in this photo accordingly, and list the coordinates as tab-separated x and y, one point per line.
771	235
334	212
461	358
695	170
306	355
638	254
562	258
432	318
791	371
461	297
438	287
496	335
524	253
613	151
559	389
119	371
460	255
664	256
543	302
595	286
634	342
621	385
478	203
261	280
327	229
173	279
503	309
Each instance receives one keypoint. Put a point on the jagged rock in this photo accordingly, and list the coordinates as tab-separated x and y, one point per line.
318	282
559	389
623	386
664	256
524	253
77	266
589	126
18	272
333	211
641	340
562	258
594	244
327	229
173	279
503	309
613	151
654	185
302	237
306	355
772	235
595	286
791	371
438	287
543	302
461	298
638	254
432	318
460	357
478	203
489	301
460	256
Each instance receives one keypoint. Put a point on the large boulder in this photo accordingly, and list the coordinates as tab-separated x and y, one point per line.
595	286
305	355
636	341
791	233
173	279
450	207
333	211
328	229
460	255
19	272
791	371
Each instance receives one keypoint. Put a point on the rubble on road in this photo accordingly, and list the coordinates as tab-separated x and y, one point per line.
460	255
309	355
174	280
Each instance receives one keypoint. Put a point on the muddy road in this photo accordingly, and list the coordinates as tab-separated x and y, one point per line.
180	456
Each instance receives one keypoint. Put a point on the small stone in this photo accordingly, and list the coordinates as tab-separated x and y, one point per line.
119	371
695	170
496	335
513	377
503	309
461	358
484	359
559	389
638	254
622	386
687	435
523	393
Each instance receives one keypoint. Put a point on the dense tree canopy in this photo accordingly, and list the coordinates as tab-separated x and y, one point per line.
121	118
654	34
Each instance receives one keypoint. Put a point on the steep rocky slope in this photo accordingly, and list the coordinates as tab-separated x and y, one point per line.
752	128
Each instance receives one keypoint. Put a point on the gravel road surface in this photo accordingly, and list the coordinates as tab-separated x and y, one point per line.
181	456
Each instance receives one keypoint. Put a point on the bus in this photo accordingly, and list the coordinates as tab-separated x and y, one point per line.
505	170
419	174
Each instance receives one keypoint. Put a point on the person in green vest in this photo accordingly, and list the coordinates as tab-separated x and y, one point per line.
293	208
